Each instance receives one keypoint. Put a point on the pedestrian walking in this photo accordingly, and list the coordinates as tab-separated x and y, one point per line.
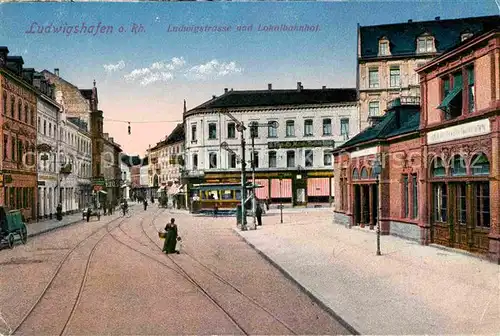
170	237
145	204
59	212
216	209
258	214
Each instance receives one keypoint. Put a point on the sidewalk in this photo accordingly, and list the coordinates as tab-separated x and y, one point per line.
37	228
410	289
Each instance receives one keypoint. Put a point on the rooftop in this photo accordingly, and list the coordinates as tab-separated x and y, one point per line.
177	135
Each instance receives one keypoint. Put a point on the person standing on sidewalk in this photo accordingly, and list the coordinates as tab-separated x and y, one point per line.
258	214
145	202
59	212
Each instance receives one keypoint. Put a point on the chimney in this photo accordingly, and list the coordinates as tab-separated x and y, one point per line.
410	21
28	74
4	51
56	72
270	87
323	87
185	106
299	86
225	90
214	96
437	18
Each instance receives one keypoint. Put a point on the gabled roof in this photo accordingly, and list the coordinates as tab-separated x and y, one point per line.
273	97
177	135
397	121
402	36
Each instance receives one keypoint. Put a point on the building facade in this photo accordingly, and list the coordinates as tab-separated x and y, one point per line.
175	167
19	136
144	190
111	169
311	123
157	171
389	54
48	121
439	176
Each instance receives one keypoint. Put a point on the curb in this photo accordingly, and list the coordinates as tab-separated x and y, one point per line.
287	275
33	234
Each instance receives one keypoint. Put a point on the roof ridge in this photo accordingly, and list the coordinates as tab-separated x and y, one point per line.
471	18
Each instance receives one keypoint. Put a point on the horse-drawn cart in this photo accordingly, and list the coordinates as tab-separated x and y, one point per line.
11	224
89	212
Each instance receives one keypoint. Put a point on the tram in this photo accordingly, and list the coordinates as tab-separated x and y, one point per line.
226	196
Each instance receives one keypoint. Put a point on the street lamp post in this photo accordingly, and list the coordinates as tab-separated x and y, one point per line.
253	134
377	169
281	200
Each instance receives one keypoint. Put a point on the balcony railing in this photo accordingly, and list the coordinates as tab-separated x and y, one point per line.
404	100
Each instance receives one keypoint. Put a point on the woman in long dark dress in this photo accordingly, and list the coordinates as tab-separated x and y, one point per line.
171	237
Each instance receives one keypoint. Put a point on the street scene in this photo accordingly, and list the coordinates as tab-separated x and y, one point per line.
197	169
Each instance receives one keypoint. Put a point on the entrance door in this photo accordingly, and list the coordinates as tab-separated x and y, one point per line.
459	227
357	205
301	196
374	207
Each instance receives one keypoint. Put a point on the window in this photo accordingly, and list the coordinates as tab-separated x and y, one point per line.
446	87
453	101
195	161
231	130
4	111
327	126
256	159
308	127
254	131
327	159
212	158
414	188
462	203
355	174
290	128
482	196
13	148
193	133
395	77
364	173
309	158
12	106
438	169
26	119
271	131
19	110
406	206
458	167
32	117
383	48
470	88
232	160
44	127
480	165
5	146
212	131
374	108
272	159
19	150
425	44
373	78
290	159
440	194
50	129
344	128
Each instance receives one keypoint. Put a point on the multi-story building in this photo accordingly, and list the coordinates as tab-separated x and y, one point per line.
389	54
440	168
18	132
144	178
48	121
111	169
175	166
158	168
311	123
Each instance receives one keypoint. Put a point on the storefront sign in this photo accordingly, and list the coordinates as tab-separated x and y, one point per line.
41	183
365	152
471	129
321	174
300	144
47	178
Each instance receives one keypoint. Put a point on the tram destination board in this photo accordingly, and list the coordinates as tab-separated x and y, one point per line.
300	144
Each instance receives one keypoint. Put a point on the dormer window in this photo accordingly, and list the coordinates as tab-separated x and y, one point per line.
425	44
383	47
465	36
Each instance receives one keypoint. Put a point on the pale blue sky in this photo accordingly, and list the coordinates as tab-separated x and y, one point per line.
244	60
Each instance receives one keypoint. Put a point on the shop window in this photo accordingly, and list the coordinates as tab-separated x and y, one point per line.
308	127
414	188
480	165
406	191
290	128
462	203
355	174
458	167
438	169
440	197
327	126
272	159
364	173
212	158
231	130
482	198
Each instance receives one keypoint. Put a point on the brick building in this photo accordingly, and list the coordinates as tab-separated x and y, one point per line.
18	132
439	180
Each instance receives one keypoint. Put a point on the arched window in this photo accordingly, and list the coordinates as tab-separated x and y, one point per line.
437	168
458	167
355	174
364	173
480	165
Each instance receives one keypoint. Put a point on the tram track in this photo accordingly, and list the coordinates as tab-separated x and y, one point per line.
32	309
221	279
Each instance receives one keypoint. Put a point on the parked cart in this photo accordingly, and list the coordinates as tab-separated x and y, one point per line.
11	224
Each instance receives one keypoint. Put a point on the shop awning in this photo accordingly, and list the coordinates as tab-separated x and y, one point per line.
451	95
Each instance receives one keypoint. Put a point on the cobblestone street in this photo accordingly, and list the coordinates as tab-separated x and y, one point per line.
110	277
